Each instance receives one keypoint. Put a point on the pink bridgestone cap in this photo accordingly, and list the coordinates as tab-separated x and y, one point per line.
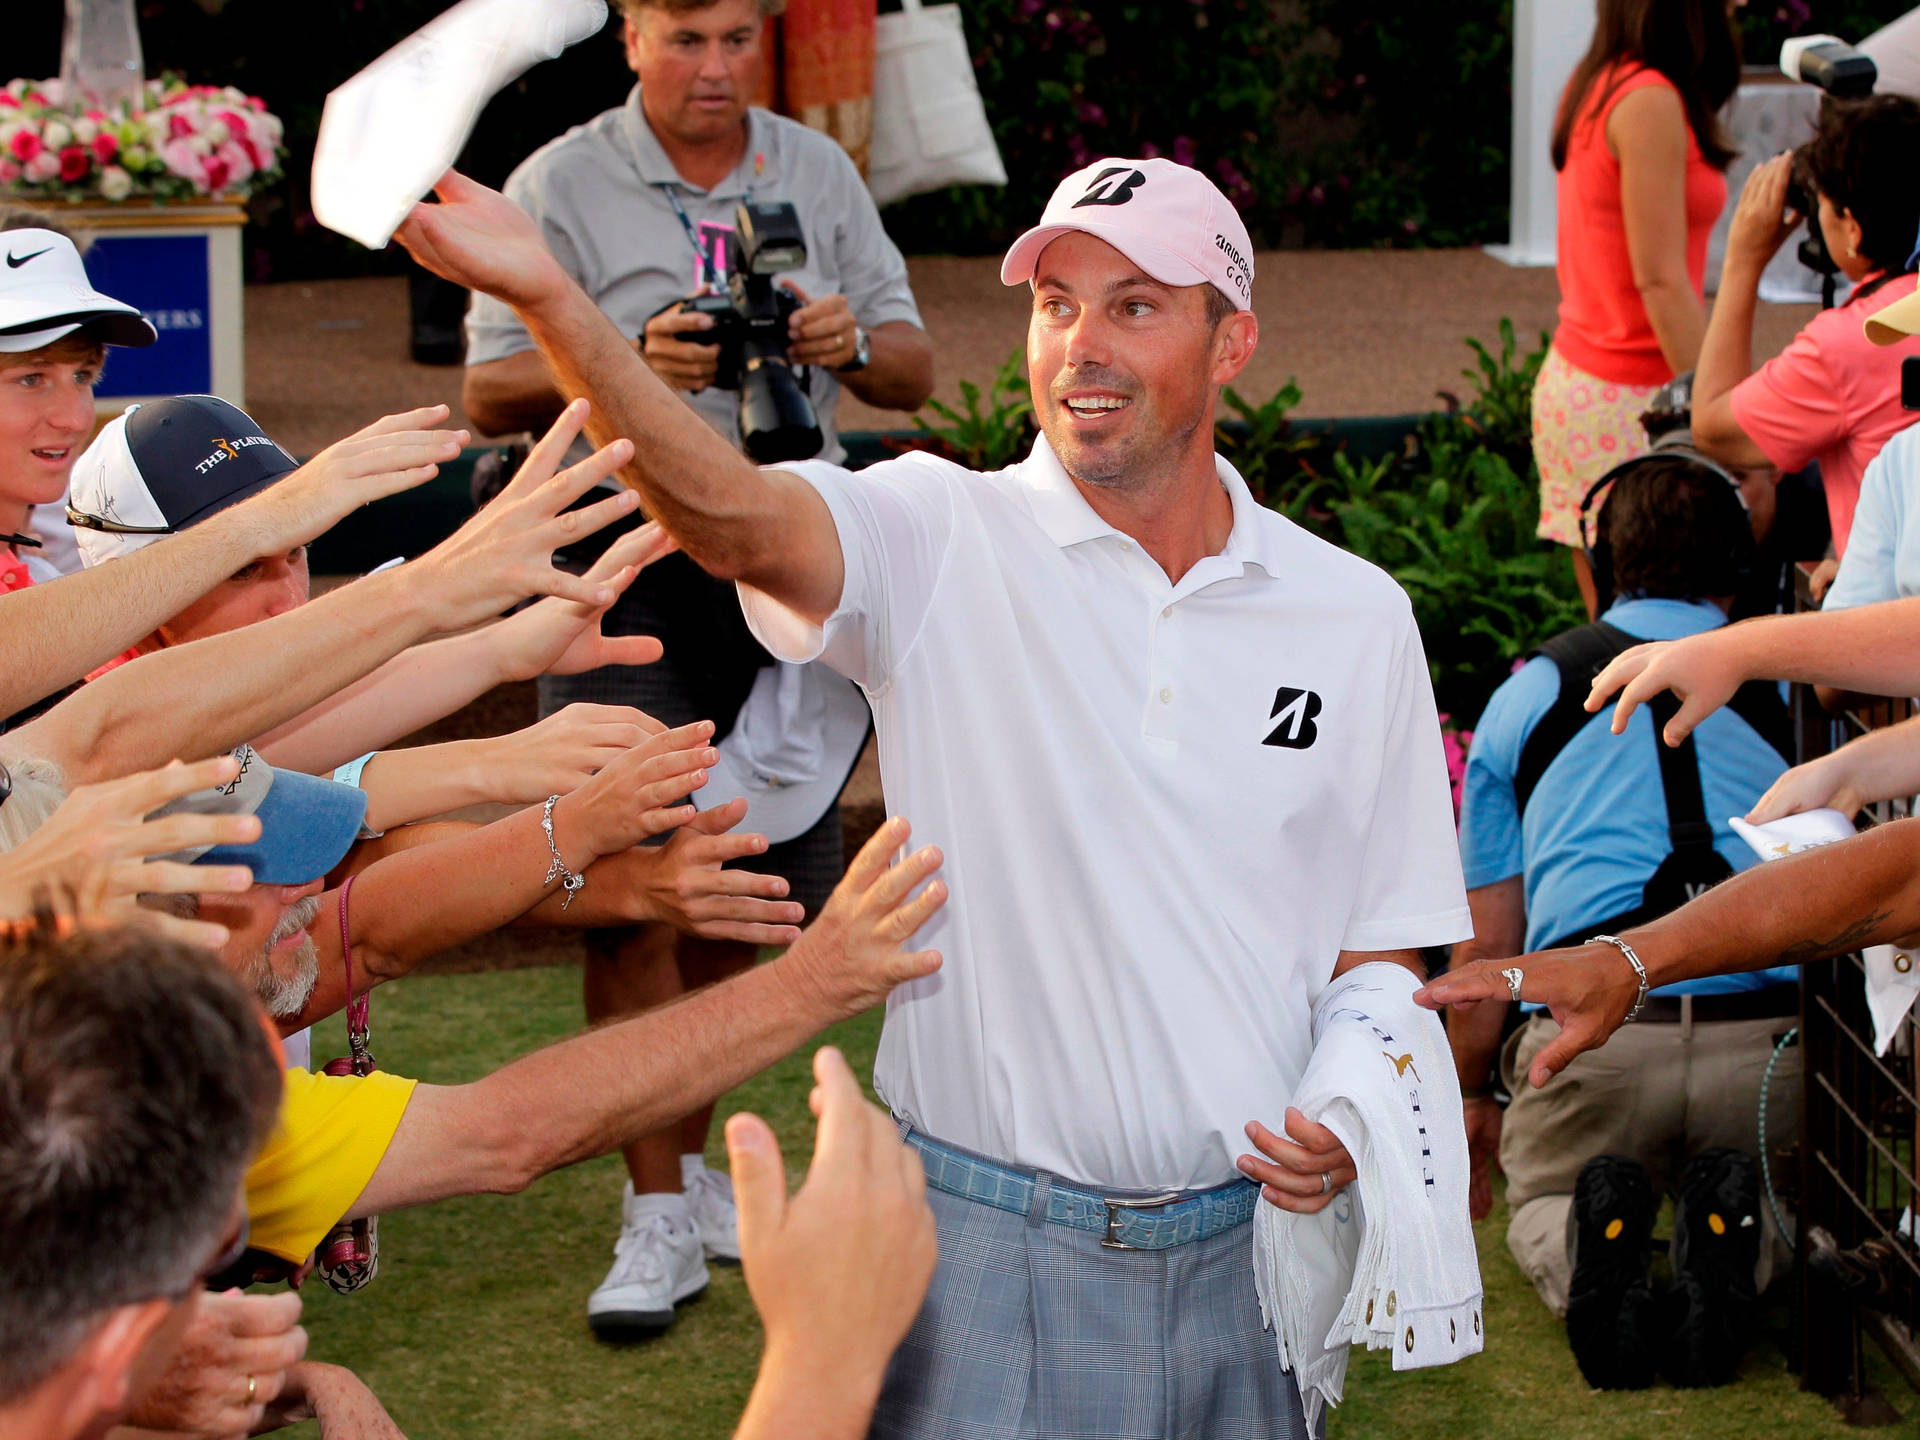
1168	219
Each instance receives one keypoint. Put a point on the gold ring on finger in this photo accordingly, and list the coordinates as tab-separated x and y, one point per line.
253	1387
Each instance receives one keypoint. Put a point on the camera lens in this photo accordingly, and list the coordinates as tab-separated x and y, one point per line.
776	419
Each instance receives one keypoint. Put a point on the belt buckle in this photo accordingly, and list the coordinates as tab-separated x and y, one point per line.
1111	1240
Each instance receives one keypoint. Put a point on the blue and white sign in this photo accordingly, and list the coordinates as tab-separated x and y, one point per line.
168	277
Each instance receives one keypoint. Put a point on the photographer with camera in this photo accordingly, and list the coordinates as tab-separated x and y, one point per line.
743	257
1832	395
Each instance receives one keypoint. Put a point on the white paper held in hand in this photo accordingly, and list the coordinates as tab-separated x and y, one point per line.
1790	834
395	128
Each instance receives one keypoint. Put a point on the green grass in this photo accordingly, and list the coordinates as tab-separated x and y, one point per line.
476	1327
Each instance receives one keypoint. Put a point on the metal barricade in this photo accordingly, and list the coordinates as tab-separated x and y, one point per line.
1858	1154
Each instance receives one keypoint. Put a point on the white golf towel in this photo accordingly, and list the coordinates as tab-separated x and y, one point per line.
1391	1262
391	131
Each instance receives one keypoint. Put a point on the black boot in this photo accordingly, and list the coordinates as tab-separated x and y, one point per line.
1716	1244
1611	1317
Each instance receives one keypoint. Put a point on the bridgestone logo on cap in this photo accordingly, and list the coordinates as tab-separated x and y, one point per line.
1118	193
1239	270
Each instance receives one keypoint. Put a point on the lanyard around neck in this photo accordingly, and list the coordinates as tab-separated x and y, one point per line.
701	259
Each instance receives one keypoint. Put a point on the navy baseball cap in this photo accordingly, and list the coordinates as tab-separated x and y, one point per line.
162	467
307	824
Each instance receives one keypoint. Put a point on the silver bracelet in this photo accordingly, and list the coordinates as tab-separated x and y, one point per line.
1638	969
571	881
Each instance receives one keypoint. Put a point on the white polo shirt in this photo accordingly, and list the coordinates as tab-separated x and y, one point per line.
1166	808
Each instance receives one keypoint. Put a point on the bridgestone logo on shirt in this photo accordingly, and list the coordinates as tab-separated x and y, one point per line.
1295	710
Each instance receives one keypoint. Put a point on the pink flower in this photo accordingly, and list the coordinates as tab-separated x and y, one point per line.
106	148
254	102
183	160
26	145
42	167
74	163
7	102
99	117
239	168
219	173
235	122
180	125
9	172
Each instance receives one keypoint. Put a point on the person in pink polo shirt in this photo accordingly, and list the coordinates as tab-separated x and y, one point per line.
1832	395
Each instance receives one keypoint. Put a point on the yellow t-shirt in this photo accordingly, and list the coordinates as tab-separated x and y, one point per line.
332	1133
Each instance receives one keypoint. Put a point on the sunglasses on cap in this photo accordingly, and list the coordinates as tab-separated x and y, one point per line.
81	520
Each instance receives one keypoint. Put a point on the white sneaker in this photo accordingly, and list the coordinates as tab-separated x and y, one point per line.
656	1264
710	1199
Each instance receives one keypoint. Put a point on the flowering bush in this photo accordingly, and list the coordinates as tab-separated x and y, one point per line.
176	142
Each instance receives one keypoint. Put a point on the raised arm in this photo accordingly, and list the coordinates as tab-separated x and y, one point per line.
52	635
1874	649
198	699
428	898
1760	226
431	681
1807	907
592	1093
767	528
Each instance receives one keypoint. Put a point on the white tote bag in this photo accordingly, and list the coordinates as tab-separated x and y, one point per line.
929	125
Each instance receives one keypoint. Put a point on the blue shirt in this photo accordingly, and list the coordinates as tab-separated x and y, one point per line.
1595	828
1883	548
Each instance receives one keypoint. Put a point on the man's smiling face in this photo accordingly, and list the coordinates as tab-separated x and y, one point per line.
1122	365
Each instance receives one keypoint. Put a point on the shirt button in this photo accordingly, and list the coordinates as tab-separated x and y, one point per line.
1167	614
1166	694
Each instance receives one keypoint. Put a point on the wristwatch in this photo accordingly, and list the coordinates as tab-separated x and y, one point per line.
862	351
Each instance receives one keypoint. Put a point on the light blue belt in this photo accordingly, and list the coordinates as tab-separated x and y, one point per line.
1127	1221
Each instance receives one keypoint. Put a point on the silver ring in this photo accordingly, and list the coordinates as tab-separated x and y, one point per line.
1326	1182
1513	976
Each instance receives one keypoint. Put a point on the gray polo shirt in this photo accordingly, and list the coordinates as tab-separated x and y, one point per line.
600	195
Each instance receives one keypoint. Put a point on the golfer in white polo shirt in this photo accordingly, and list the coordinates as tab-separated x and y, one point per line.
1182	759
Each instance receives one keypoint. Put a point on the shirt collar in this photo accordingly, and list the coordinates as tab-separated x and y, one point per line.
1063	512
1667	618
651	161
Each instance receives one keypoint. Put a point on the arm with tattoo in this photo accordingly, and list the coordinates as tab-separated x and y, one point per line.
1808	907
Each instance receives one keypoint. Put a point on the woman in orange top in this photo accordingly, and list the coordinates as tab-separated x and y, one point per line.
1641	157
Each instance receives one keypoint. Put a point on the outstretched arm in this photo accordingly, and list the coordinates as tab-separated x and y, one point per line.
54	634
427	898
1807	907
766	528
1874	649
431	681
201	698
590	1094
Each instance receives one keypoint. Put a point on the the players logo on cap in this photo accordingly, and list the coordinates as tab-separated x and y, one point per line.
1168	219
160	468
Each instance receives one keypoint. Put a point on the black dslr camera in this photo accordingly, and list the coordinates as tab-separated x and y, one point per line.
750	326
1832	65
